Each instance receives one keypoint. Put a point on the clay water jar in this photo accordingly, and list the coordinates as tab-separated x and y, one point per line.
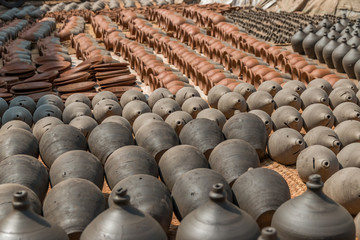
314	95
131	95
323	136
261	100
134	109
287	117
194	105
321	83
245	89
348	156
348	132
324	116
287	97
340	95
215	93
177	120
157	95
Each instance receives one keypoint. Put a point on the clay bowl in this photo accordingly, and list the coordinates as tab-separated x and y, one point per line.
77	87
60	66
31	87
48	76
17	68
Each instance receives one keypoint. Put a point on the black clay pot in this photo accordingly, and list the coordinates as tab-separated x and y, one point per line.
17	113
27	171
296	41
338	54
261	100
75	109
297	219
78	97
349	156
102	96
106	108
191	190
295	85
260	192
165	106
248	127
177	120
131	95
265	118
106	138
120	120
271	87
144	119
157	137
44	125
203	134
85	124
320	83
58	140
194	105
314	95
73	204
340	95
287	117
123	221
23	223
232	158
47	110
185	93
328	50
309	44
232	103
215	94
51	99
319	46
292	143
245	89
149	195
324	116
23	101
77	164
18	141
316	159
348	132
323	136
159	94
178	160
350	60
3	106
134	109
287	97
217	219
15	124
6	195
127	161
214	115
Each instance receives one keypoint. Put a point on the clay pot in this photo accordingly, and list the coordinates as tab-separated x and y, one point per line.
17	113
349	60
266	119
23	101
232	158
202	133
73	212
297	40
232	103
177	120
185	93
346	111
106	138
58	140
103	95
106	108
268	233
44	125
314	95
348	156
6	196
131	95
85	124
245	89
23	222
78	97
348	177
309	224
340	95
338	54
179	160
119	221
287	97
295	85
249	128
328	50
348	132
191	190
120	120
226	222
316	159
15	124
348	83
144	119
164	107
321	83
194	105
159	94
156	137
148	195
3	106
287	117
287	152
47	110
319	46
9	143
323	116
77	164
266	191
51	99
261	100
127	161
271	87
323	136
215	93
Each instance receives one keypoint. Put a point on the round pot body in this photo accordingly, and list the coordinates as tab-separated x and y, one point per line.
103	95
265	118
261	100
177	120
164	107
340	95
131	95
44	125
346	111
119	119
134	109
323	117
74	110
25	102
159	94
15	124
17	113
287	97
47	110
348	132
78	97
194	105
287	117
270	86
85	124
215	94
323	136
106	108
314	95
144	119
232	103
245	89
349	156
214	115
51	99
321	83
185	93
